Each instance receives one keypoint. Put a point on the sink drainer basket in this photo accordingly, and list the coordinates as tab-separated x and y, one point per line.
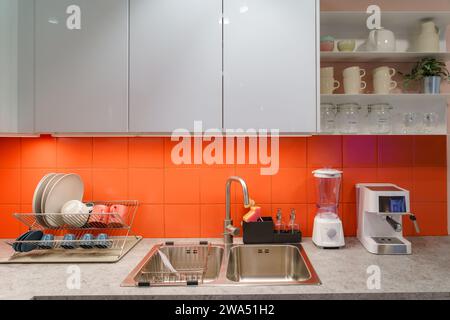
189	262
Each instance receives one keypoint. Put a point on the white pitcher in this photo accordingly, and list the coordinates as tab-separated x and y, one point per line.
428	39
381	40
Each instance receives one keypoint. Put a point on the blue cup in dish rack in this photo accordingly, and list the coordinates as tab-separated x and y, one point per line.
47	242
69	241
87	241
103	241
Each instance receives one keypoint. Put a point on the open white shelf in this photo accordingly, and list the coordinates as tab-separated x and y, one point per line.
352	24
406	26
403	99
402	104
361	56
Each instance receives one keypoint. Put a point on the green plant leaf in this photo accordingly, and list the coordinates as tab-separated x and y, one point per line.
427	67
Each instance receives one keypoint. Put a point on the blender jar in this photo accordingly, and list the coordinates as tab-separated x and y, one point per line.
328	184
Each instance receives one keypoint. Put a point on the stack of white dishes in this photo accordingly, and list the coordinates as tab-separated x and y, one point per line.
52	193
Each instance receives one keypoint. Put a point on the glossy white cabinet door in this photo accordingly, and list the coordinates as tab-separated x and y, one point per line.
175	64
270	70
81	65
16	66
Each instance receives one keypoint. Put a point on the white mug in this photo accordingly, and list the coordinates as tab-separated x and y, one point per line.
328	85
385	71
383	84
354	72
354	85
327	72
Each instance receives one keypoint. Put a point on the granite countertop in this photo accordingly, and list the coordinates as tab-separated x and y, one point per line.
425	274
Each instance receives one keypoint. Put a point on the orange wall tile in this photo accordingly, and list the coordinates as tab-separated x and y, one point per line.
149	222
182	220
110	184
212	182
293	153
324	151
182	186
9	226
289	186
397	151
10	153
110	153
189	200
211	220
359	151
39	153
9	186
146	185
74	153
146	152
353	176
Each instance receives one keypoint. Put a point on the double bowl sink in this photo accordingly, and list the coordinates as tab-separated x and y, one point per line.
210	264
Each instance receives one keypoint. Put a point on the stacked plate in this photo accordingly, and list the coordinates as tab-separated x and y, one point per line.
51	193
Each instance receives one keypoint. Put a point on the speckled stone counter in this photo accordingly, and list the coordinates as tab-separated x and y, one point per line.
423	275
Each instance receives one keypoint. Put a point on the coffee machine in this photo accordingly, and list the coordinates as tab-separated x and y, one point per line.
381	208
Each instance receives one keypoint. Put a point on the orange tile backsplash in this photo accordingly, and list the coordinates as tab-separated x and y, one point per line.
189	201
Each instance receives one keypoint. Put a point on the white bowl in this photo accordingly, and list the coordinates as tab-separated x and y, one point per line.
75	213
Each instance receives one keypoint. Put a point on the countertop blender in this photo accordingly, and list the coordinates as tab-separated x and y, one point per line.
328	232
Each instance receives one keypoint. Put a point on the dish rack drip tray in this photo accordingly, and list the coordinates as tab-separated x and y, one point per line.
73	256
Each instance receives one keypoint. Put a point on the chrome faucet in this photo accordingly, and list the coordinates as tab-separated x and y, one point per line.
229	230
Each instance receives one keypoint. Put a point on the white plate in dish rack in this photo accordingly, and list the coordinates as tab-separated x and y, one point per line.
47	189
37	197
67	187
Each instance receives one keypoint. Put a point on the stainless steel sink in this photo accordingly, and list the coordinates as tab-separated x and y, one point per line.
270	264
215	265
194	265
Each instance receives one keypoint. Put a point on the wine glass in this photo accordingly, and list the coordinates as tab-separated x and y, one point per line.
410	122
430	122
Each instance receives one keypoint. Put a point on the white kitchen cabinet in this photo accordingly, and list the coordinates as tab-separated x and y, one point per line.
175	64
81	80
16	66
270	65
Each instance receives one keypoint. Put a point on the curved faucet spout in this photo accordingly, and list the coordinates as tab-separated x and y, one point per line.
229	229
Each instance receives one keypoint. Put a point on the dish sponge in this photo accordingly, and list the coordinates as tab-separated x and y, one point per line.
253	215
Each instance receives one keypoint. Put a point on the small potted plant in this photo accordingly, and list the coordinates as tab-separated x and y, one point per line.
431	71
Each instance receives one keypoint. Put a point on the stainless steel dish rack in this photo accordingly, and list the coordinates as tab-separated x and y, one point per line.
117	226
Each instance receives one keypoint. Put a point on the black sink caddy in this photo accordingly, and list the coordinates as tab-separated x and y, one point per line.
264	232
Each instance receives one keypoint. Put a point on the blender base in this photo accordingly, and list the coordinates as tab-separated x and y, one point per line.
328	233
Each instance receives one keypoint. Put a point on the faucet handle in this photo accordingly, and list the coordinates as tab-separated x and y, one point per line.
232	230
